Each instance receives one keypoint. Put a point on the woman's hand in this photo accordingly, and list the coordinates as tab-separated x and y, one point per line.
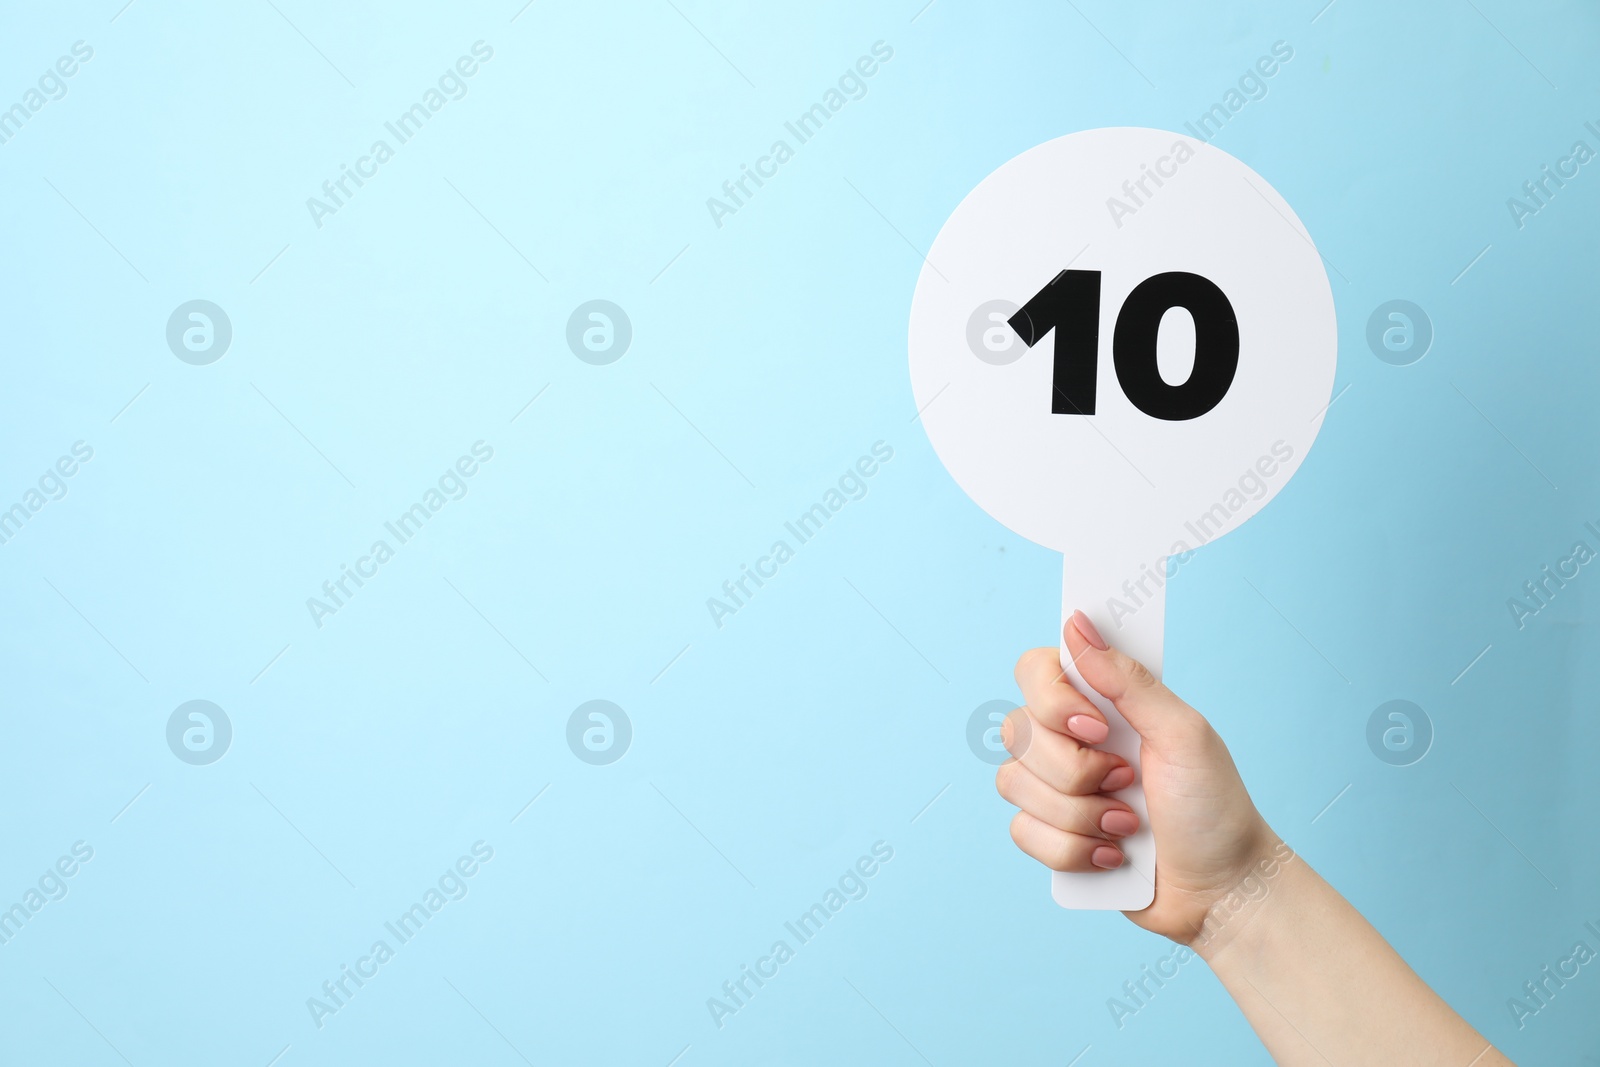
1209	835
1315	980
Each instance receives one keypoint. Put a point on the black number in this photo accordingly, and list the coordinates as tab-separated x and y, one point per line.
1070	305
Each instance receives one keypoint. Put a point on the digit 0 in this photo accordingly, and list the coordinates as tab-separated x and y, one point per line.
1070	305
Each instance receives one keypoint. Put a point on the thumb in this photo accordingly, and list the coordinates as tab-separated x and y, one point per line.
1150	707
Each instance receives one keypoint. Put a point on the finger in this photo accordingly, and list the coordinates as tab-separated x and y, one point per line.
1055	704
1150	707
1062	763
1061	851
1095	815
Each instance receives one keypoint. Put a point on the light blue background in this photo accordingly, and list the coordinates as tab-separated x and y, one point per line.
776	750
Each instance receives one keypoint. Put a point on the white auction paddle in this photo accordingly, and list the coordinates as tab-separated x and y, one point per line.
1122	344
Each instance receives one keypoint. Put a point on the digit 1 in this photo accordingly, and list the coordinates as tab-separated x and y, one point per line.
1069	305
1216	346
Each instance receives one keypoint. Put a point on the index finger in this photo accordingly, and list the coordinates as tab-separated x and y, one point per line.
1055	704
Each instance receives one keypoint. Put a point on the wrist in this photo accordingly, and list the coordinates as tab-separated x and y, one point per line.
1270	873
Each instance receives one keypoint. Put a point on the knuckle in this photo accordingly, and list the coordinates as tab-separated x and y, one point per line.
1016	733
1026	664
1059	702
1137	673
1061	855
1088	772
1005	780
1075	815
1018	821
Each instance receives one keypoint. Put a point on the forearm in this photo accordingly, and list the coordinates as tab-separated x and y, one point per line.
1320	985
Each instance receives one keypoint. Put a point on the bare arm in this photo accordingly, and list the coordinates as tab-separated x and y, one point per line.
1316	981
1319	985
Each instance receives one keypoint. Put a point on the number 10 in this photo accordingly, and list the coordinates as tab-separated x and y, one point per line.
1070	305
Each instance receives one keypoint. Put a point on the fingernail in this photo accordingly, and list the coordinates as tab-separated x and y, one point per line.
1107	857
1086	628
1119	778
1119	823
1089	728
